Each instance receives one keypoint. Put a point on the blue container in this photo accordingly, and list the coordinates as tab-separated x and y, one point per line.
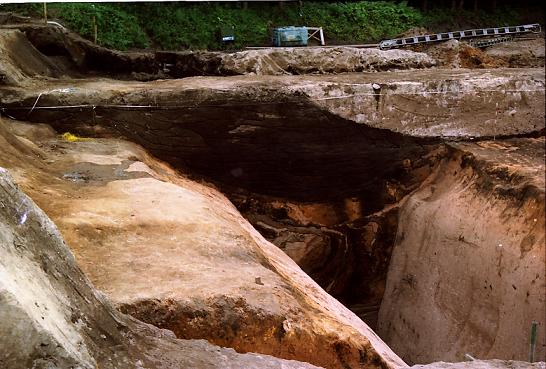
290	36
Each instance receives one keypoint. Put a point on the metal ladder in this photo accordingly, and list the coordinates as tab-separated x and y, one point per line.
472	33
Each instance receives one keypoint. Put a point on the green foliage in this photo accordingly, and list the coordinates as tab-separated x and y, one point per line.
362	21
441	20
115	27
197	25
23	9
187	25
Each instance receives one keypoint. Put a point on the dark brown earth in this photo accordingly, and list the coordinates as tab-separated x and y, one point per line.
266	122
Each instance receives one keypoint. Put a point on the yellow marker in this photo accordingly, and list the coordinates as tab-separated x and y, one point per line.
69	137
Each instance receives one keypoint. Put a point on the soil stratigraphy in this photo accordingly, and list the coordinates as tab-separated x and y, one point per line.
78	56
286	61
251	132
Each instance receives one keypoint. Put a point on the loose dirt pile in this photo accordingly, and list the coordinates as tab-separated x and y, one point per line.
455	54
19	60
323	61
519	54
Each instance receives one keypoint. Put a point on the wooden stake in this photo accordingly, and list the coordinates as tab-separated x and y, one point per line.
533	341
45	13
94	29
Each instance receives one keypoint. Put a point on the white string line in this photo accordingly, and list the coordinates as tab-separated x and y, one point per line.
94	106
36	102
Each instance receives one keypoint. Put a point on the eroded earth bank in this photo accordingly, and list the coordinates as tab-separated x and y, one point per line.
283	216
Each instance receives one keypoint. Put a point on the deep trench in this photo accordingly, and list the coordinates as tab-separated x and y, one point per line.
328	191
344	235
323	189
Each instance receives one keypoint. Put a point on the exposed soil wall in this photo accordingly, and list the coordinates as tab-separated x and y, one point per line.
78	56
483	364
292	136
19	60
344	244
459	104
467	270
295	61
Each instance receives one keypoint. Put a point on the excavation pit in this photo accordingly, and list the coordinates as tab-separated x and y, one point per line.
418	204
334	195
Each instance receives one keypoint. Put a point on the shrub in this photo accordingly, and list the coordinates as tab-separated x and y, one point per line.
116	28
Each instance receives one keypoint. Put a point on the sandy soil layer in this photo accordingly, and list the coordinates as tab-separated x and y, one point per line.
467	269
52	317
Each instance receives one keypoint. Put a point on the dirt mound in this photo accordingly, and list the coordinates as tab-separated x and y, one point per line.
87	57
278	61
19	59
322	61
455	54
519	53
514	54
472	57
61	52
